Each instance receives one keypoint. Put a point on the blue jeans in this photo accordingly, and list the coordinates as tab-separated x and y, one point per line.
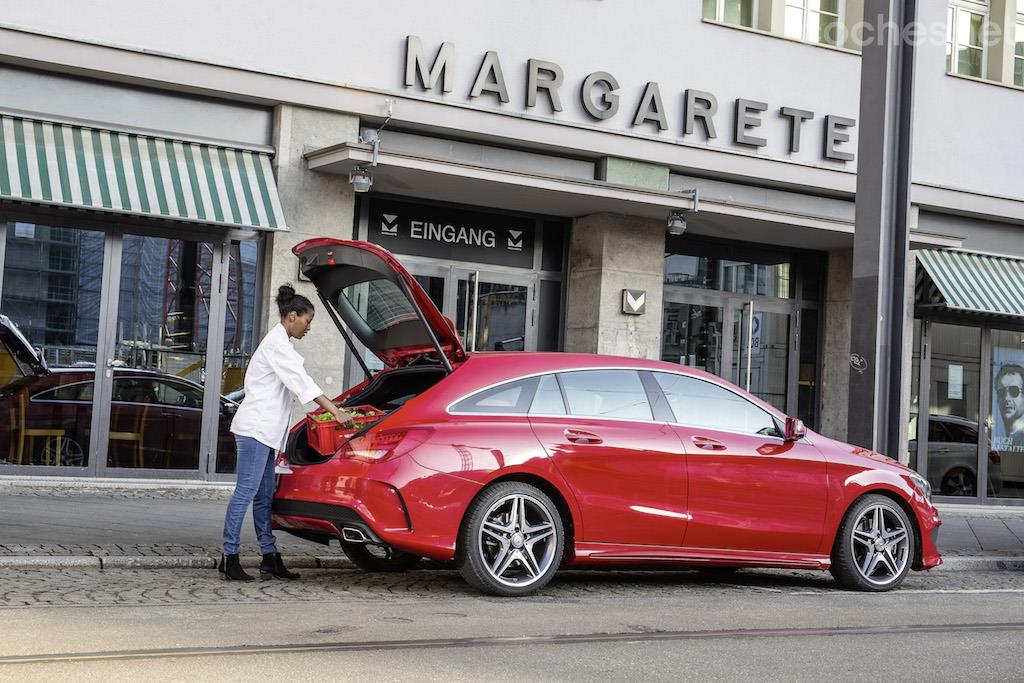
254	484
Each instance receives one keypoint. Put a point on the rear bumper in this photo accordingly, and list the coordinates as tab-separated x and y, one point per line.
309	520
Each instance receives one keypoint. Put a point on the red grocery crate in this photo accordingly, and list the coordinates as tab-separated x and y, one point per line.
327	437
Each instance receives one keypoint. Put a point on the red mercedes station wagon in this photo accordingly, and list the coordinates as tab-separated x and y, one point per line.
512	465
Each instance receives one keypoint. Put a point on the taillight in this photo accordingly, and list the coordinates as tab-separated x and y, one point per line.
994	457
281	465
378	446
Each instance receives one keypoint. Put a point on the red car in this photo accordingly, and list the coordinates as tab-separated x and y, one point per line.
515	464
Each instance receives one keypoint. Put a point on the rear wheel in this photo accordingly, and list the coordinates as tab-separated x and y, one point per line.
874	547
511	541
378	558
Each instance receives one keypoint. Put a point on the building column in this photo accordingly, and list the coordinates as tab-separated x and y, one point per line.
607	254
315	205
835	356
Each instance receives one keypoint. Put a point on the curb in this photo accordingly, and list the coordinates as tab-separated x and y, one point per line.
949	564
159	562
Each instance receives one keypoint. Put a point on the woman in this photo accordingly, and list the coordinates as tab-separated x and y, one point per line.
274	376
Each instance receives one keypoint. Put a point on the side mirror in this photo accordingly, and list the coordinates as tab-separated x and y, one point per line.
795	429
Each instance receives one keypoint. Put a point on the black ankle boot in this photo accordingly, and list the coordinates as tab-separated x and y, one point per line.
273	567
232	569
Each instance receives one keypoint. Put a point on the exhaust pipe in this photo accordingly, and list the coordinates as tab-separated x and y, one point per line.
354	535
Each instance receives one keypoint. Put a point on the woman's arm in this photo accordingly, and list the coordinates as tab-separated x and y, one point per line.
342	416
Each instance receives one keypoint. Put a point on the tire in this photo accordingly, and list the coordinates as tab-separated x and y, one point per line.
511	541
959	482
874	547
379	558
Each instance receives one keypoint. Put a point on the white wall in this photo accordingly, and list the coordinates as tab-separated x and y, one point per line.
967	135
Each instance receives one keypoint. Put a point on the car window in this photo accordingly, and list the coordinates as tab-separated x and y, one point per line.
962	433
937	432
78	391
134	390
177	394
606	393
504	399
548	400
703	404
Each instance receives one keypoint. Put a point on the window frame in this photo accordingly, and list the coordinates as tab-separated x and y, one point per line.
982	8
1018	39
720	14
805	11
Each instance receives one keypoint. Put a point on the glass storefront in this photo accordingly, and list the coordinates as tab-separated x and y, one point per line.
733	310
144	408
971	377
51	291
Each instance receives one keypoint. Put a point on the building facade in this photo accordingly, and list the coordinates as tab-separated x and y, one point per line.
534	167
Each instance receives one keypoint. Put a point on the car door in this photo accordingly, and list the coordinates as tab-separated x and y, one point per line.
626	469
181	407
749	489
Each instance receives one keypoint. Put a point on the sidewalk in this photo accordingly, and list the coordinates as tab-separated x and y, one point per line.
126	523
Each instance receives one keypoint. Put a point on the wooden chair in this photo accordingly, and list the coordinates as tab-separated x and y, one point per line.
136	437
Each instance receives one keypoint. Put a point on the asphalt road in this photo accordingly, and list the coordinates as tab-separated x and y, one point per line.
428	626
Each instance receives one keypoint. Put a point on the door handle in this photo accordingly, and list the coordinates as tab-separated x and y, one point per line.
579	436
707	444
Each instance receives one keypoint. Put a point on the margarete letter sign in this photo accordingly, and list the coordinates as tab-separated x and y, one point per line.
599	96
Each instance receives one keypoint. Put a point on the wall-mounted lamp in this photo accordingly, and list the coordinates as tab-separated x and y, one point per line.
360	178
676	224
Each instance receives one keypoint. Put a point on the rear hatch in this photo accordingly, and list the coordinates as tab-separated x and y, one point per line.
369	292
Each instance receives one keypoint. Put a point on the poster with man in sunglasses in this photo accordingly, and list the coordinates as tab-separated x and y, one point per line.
1008	403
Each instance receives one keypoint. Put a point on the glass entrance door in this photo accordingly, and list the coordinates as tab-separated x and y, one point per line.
761	353
747	341
494	312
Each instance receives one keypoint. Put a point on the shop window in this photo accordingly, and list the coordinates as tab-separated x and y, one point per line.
1006	453
723	275
738	12
51	291
966	28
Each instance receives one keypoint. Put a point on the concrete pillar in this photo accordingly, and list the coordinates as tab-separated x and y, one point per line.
315	205
609	253
835	357
903	454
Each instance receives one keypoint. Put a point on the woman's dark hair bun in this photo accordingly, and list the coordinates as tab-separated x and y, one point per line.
284	294
287	301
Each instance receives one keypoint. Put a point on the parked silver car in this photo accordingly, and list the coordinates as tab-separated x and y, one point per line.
953	456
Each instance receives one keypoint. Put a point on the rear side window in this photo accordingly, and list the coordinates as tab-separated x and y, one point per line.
703	404
548	400
511	398
606	393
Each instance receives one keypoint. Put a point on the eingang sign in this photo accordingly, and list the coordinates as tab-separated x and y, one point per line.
452	234
600	98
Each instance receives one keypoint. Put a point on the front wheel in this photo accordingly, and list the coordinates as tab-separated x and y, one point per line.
511	541
376	558
875	546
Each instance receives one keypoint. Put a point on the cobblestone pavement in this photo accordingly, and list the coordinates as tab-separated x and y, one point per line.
66	588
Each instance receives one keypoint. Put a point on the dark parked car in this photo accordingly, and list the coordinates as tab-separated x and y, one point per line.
155	418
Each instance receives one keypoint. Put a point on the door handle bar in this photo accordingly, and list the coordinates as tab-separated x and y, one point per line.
579	436
707	443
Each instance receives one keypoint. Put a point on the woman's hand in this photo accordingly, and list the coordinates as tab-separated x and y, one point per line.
343	417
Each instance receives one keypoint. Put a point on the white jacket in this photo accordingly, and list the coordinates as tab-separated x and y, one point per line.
275	375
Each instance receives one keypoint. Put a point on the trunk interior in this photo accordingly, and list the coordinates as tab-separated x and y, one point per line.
388	391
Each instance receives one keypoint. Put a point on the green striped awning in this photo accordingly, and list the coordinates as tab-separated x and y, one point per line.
91	168
974	283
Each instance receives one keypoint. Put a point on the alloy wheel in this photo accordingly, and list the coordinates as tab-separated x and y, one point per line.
517	540
880	542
